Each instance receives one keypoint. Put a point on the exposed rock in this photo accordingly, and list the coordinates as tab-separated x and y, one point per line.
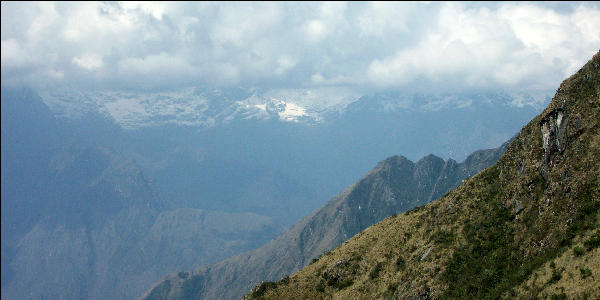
518	207
426	253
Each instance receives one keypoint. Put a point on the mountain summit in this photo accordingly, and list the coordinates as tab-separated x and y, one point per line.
526	227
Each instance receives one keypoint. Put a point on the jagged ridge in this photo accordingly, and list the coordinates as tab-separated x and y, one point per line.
393	186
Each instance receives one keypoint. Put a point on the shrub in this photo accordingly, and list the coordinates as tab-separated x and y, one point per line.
320	287
585	273
400	262
443	237
578	251
285	280
561	296
375	271
556	276
593	242
262	288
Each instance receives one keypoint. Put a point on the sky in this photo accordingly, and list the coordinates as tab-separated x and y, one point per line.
523	47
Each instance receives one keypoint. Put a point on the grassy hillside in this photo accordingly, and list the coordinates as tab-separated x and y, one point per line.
526	227
393	186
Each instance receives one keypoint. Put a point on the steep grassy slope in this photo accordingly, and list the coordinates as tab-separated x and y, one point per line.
526	227
393	186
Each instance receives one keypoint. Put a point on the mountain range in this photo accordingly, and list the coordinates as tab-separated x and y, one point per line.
526	227
80	221
139	185
393	186
191	142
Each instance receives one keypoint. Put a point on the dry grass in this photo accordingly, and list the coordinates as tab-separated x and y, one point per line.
480	244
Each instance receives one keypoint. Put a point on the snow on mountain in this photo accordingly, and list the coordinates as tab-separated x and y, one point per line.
202	107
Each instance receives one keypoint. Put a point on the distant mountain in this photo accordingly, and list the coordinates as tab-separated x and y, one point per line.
80	221
202	107
526	227
393	186
197	144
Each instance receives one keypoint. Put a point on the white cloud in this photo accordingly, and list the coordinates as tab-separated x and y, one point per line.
13	55
153	8
516	45
366	45
240	24
88	61
315	30
55	74
379	18
284	64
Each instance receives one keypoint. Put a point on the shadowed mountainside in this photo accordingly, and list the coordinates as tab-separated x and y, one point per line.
79	221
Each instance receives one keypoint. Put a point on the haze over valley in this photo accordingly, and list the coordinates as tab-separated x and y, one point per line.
194	150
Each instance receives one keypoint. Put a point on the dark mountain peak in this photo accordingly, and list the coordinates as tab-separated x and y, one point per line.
450	162
430	158
430	164
391	164
396	160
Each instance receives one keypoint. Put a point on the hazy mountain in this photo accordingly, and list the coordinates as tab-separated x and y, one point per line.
80	221
527	227
210	148
393	186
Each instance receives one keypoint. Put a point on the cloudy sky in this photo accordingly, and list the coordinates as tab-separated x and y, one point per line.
371	46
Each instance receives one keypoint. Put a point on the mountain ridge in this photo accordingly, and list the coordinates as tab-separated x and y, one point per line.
526	227
376	196
80	221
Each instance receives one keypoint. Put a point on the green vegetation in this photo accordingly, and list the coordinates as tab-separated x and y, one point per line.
400	263
561	296
556	276
585	273
375	271
593	242
262	288
443	237
482	267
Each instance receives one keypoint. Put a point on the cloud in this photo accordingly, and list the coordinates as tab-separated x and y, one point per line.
284	64
13	55
88	61
379	18
444	46
514	46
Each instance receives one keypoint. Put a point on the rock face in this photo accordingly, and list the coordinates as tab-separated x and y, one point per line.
393	186
526	227
554	133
